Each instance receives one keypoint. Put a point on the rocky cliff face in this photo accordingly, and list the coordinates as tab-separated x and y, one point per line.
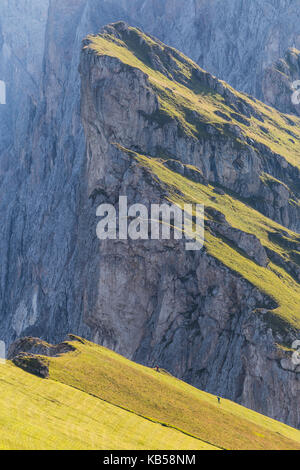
42	142
52	282
193	313
22	29
42	152
281	83
239	148
41	165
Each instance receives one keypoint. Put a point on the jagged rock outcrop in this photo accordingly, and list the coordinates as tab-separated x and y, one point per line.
156	303
33	364
281	83
37	347
27	353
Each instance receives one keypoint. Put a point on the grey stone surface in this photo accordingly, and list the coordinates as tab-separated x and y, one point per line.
281	83
36	346
32	364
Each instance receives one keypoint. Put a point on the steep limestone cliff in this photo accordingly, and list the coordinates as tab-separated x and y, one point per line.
157	129
42	142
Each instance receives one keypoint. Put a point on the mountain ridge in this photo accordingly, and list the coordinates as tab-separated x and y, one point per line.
239	297
43	152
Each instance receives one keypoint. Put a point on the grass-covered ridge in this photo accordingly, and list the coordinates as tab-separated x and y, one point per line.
97	399
274	280
198	108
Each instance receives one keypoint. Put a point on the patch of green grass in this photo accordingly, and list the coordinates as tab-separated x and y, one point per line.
161	397
39	414
97	399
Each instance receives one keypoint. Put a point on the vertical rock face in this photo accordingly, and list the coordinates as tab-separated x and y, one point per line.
41	163
51	281
22	32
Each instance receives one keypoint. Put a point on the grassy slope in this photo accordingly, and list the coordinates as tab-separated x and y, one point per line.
181	93
159	396
97	399
44	414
